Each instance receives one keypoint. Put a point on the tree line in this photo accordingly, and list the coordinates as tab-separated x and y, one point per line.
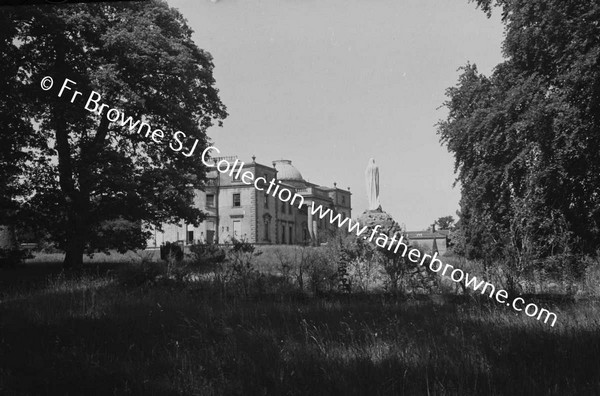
526	139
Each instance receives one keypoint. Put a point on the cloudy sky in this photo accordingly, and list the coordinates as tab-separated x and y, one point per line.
330	83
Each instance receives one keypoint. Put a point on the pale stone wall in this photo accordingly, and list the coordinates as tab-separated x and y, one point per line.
228	214
427	244
7	238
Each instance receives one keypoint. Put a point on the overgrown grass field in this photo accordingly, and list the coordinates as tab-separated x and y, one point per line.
98	332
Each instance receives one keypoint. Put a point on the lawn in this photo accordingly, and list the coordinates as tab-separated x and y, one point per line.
92	333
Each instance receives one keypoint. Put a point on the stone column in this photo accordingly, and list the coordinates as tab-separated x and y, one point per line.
315	232
309	224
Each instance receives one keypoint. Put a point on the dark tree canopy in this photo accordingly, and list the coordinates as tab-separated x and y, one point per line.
91	183
526	139
13	118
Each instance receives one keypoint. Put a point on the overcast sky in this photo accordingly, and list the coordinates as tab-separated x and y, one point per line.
330	83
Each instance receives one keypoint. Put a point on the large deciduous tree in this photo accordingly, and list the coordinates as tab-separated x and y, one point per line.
92	182
526	138
445	222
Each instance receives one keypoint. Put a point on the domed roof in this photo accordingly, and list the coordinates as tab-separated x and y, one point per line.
286	171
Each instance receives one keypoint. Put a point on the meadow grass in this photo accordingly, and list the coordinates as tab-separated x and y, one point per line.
87	333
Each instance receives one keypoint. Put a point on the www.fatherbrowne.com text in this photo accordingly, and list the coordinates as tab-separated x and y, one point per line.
382	240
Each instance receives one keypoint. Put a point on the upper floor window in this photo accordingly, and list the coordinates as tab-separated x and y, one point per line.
237	201
343	199
237	175
210	200
266	201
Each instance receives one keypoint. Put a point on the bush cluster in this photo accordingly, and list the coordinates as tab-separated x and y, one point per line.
11	257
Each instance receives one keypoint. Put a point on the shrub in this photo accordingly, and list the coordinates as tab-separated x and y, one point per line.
240	266
11	257
294	263
206	255
476	268
590	284
141	274
361	260
322	268
565	268
171	250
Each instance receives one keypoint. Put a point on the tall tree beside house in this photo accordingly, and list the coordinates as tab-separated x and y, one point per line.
92	182
526	138
12	157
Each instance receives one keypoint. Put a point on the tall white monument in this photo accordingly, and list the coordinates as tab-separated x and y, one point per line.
372	180
374	215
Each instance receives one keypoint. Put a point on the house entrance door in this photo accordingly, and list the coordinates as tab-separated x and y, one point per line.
237	229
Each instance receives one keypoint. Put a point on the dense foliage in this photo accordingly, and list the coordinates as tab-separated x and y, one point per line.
526	138
86	181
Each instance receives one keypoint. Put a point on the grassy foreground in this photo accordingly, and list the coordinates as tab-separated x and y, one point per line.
88	333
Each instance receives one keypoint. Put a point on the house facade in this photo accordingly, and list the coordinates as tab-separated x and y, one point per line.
241	211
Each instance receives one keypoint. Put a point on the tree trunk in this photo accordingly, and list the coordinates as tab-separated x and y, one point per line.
74	253
76	239
75	175
9	249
